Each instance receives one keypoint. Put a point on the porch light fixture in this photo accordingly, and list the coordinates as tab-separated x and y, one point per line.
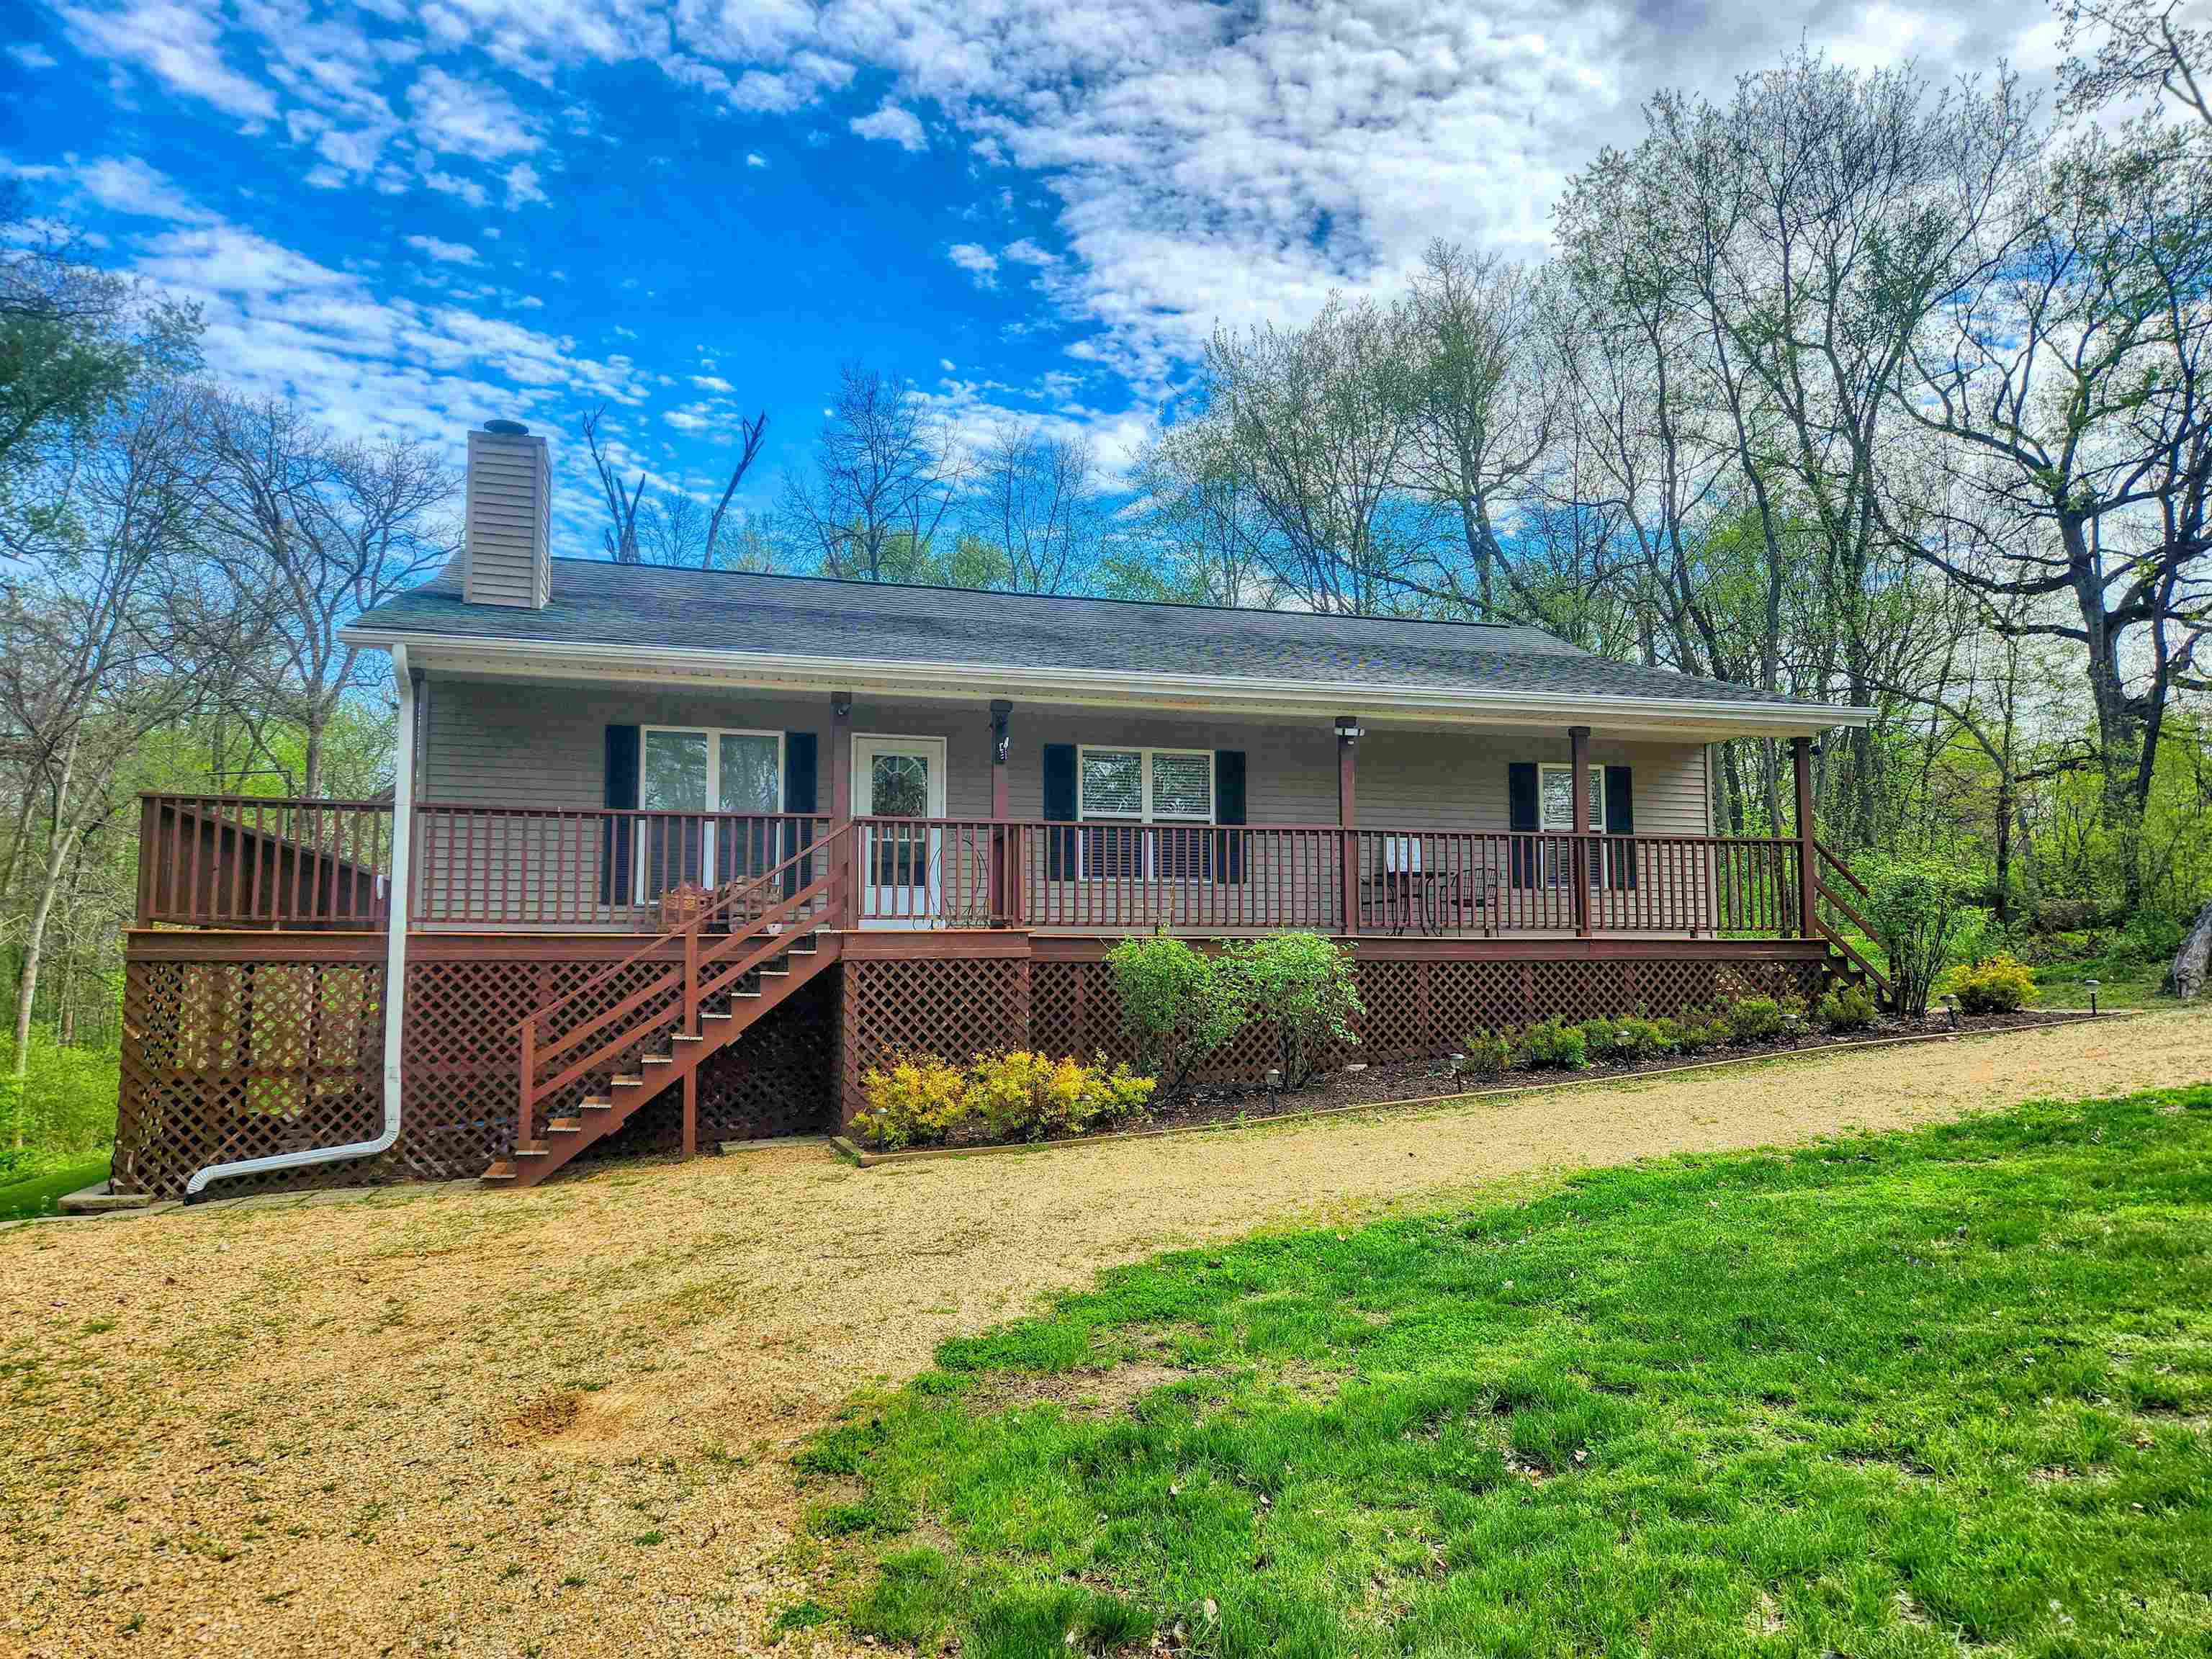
2090	986
1001	711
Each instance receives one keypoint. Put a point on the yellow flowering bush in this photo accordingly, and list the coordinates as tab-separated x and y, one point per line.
918	1099
1020	1094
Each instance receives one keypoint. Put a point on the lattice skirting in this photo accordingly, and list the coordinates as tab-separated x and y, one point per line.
956	1006
224	1060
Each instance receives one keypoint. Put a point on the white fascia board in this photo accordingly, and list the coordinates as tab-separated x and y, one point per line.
1237	695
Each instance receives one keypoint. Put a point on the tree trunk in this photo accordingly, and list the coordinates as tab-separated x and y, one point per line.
2188	971
34	942
2003	906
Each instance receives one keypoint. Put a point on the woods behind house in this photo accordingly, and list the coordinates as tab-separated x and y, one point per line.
1845	386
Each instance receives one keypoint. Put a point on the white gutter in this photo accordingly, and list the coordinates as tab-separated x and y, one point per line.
395	968
1112	687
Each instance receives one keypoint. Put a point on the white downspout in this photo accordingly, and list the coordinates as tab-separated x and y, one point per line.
395	966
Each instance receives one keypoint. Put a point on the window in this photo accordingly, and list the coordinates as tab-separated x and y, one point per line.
1555	795
1147	787
706	770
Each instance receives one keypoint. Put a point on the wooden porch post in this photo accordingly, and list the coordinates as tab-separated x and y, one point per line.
1580	866
1348	816
1800	761
841	804
1003	882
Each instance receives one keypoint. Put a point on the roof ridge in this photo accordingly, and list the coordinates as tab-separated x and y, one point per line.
1086	598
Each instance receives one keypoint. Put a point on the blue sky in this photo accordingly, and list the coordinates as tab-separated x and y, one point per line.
413	218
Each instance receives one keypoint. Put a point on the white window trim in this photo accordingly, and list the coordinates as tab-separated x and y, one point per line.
1143	753
714	734
1596	797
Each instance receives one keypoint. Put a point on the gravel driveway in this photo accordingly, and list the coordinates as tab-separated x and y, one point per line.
558	1422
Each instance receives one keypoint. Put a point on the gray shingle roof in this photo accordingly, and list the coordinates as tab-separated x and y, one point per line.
596	603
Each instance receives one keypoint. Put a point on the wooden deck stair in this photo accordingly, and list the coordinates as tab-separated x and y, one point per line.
743	956
1845	964
679	1056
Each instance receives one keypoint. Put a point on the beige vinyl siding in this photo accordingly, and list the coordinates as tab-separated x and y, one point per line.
519	743
509	506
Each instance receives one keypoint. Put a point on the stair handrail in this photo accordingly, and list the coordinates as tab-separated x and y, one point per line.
1828	861
690	931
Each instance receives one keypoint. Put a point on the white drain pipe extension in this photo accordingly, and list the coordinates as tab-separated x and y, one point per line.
395	968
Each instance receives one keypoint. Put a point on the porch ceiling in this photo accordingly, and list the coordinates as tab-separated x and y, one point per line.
1241	696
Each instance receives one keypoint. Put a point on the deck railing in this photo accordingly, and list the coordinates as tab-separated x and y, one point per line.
226	862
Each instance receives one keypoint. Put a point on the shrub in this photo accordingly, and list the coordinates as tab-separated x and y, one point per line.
917	1100
1915	907
1999	986
1489	1051
1700	1030
1304	984
1641	1039
1553	1045
1600	1039
1845	1008
1755	1019
2148	937
1179	1006
1030	1096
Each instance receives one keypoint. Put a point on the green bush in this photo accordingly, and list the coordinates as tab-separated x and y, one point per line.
1845	1008
1755	1019
1489	1051
1999	986
2148	939
1304	985
1179	1006
1552	1045
68	1103
1701	1030
1915	907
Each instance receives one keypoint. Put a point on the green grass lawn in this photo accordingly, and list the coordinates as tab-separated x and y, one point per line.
34	1195
2127	985
1918	1394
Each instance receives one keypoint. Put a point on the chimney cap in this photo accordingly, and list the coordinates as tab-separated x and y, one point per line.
507	429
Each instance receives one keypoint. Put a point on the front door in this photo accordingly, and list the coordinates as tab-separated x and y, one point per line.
901	862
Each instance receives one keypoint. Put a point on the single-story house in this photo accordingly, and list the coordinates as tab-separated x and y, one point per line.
676	853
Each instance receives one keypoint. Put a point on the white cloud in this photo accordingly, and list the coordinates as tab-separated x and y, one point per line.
178	44
31	55
753	159
1026	252
468	117
453	184
522	186
444	253
946	363
127	185
712	383
896	124
977	261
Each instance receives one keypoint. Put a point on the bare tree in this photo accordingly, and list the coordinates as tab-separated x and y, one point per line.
1198	528
883	478
1485	407
2148	48
1317	424
2070	391
1036	503
621	531
678	529
307	533
83	671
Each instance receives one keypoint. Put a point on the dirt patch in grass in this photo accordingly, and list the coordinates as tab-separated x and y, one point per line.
1085	1393
296	1435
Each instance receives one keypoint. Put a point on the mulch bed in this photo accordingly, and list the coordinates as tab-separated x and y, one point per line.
1434	1079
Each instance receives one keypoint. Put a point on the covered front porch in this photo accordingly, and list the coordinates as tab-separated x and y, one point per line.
542	809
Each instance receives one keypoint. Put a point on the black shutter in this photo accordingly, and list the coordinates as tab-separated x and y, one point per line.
1228	808
800	793
617	836
1520	819
1620	820
1060	808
